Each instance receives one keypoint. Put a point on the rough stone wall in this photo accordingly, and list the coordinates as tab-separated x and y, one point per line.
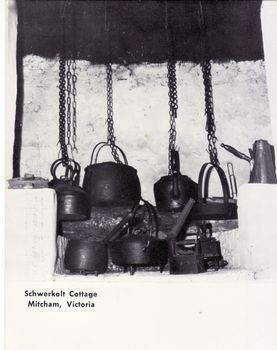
141	116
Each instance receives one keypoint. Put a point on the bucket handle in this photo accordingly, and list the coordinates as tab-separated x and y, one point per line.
201	179
153	223
104	144
153	231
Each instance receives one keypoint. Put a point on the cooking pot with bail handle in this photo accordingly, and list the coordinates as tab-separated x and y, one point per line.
213	208
141	246
110	183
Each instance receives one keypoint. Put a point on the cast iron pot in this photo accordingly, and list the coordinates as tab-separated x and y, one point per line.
86	257
140	247
72	200
172	192
110	183
91	257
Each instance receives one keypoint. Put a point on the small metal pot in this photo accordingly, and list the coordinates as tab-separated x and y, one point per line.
86	257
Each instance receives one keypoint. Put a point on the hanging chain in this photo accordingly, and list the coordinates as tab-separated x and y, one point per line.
74	105
109	72
173	104
68	100
62	109
209	106
67	87
172	86
209	112
110	136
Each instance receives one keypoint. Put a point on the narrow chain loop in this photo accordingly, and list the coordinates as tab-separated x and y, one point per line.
110	136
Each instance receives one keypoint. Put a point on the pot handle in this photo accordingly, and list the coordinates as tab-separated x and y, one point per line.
223	180
152	217
104	144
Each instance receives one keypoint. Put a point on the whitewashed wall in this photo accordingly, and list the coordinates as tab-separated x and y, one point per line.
141	116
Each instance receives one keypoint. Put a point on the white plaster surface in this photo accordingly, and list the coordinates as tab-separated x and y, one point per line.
30	240
257	215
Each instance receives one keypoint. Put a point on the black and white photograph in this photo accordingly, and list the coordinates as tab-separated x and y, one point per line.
140	175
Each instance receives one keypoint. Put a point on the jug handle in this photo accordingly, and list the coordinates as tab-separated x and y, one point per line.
175	166
104	144
223	180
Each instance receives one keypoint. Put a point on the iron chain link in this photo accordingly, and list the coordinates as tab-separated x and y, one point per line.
110	135
68	101
173	106
207	81
67	107
74	105
62	109
209	112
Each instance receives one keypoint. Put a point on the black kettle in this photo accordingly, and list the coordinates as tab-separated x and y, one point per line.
172	192
73	201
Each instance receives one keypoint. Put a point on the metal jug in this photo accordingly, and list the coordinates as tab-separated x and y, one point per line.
262	167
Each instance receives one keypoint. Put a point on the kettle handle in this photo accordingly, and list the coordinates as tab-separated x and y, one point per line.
175	166
69	174
201	179
76	169
104	144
